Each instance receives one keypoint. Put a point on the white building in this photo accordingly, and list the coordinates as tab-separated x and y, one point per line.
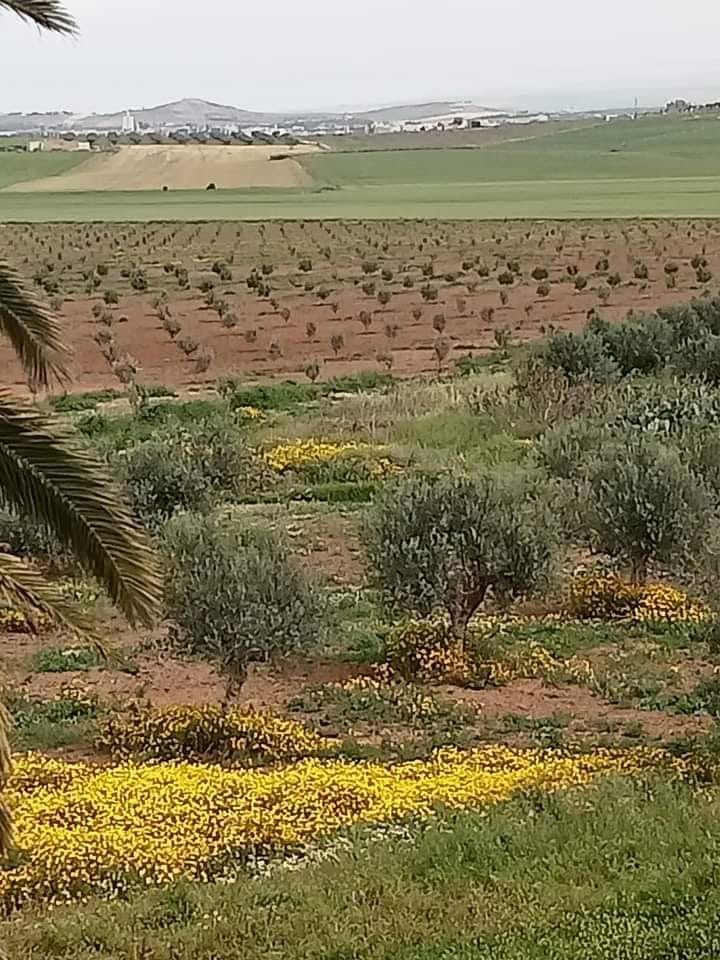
128	123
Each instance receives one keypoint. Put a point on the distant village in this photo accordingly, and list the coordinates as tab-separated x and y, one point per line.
132	131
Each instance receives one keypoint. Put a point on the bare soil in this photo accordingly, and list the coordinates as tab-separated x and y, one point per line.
180	167
263	346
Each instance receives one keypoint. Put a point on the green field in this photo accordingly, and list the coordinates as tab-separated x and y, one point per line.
654	148
20	167
653	167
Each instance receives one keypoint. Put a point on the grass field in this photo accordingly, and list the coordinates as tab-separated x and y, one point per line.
568	199
20	167
652	148
654	167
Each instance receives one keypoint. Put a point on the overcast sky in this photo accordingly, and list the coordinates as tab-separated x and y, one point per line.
285	54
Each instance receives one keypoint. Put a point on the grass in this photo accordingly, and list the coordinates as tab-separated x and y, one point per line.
49	724
650	148
56	660
653	167
460	431
620	872
82	402
19	167
603	198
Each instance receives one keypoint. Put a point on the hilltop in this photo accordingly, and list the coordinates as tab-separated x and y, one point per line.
203	113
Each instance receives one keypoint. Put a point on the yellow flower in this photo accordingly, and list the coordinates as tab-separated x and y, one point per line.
347	459
17	621
250	414
609	597
83	830
208	733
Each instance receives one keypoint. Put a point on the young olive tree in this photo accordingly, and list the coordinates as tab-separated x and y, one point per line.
237	597
644	505
445	544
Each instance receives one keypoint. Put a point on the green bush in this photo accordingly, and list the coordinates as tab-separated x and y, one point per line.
189	470
287	395
682	338
668	409
236	596
446	544
579	356
642	344
58	660
700	451
564	449
701	358
644	505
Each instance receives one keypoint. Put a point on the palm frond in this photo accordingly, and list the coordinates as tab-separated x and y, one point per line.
26	588
32	330
45	476
47	14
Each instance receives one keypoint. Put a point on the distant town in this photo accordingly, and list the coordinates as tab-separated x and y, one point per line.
199	122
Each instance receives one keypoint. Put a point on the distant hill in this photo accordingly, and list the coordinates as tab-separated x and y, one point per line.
197	113
202	113
419	111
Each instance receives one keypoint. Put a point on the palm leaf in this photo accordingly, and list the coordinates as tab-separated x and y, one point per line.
32	331
26	588
43	475
47	14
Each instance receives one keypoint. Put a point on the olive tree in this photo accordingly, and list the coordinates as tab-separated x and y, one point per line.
446	544
236	596
644	505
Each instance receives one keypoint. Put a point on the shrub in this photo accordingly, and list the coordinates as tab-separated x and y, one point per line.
206	734
606	596
642	344
679	408
236	596
25	538
163	476
565	448
579	356
189	469
445	544
701	358
365	699
424	650
645	505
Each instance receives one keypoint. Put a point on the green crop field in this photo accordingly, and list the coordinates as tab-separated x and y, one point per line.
657	147
20	167
653	167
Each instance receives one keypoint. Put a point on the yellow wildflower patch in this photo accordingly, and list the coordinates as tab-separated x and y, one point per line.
208	733
663	602
609	597
249	414
106	831
17	621
348	458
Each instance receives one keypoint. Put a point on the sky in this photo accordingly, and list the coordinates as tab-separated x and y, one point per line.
288	55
